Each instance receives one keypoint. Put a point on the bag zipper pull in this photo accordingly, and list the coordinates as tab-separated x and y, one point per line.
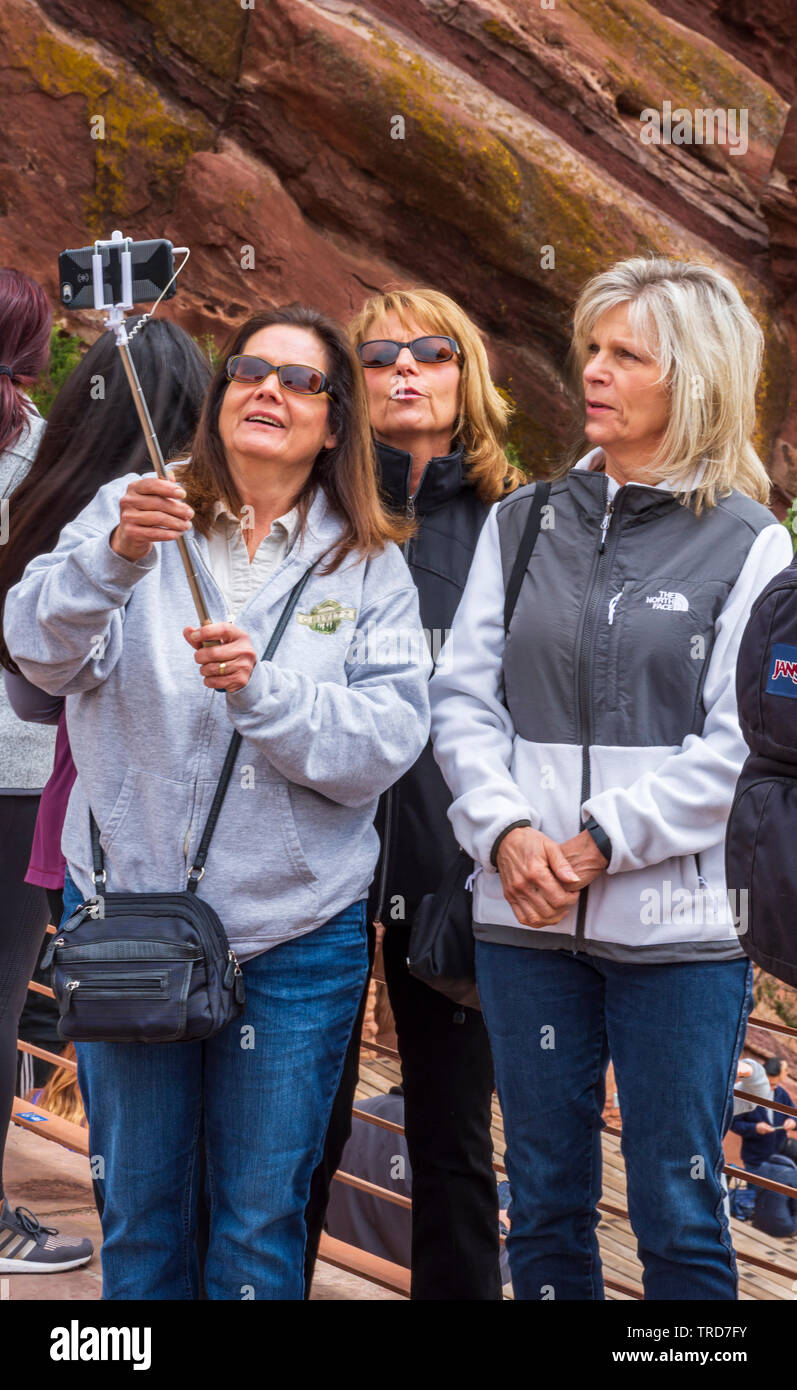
75	920
47	958
233	976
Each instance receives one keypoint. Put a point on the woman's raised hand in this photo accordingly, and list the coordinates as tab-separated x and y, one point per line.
151	510
229	662
538	881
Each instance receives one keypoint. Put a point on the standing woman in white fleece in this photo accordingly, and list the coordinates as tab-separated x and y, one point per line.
281	474
592	753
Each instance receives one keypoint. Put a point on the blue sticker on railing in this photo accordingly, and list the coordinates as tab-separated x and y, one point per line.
37	1119
783	671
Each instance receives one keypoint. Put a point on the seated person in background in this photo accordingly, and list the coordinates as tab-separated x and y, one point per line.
380	1156
61	1093
775	1213
765	1131
751	1077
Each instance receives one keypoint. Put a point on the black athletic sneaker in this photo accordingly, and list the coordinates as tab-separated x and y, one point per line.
26	1247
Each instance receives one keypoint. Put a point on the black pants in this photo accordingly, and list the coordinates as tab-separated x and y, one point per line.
338	1132
447	1074
23	918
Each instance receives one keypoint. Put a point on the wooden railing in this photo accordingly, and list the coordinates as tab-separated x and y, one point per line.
347	1257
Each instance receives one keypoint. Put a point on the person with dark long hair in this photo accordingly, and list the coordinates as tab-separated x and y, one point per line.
281	481
26	756
92	435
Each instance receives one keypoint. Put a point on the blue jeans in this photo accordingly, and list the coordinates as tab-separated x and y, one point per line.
674	1034
260	1093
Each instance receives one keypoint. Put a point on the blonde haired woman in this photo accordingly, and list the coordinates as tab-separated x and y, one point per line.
440	428
592	754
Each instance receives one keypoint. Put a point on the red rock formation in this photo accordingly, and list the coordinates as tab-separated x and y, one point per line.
779	203
760	33
489	147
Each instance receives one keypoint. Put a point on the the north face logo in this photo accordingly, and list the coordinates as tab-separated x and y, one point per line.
668	602
783	671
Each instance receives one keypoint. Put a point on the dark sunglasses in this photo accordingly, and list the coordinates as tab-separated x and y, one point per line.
382	352
305	381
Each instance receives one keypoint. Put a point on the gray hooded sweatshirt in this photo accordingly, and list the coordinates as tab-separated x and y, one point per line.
26	750
339	714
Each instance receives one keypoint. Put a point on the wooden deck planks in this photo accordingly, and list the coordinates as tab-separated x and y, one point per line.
616	1239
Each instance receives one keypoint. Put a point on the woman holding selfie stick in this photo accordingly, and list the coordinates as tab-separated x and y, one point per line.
280	478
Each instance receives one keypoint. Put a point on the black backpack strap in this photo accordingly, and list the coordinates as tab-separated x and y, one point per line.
528	541
198	867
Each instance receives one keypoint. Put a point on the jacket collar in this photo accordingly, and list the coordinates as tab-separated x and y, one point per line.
322	530
442	478
588	483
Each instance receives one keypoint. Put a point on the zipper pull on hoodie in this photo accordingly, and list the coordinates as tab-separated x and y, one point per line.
605	523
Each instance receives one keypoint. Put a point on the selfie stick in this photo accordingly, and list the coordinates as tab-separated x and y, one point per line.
121	260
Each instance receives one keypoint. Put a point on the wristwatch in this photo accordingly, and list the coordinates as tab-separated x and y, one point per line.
600	837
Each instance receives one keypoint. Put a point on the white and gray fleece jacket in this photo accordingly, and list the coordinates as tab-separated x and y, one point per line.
611	698
339	714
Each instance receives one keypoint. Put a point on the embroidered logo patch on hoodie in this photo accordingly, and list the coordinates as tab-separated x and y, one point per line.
326	616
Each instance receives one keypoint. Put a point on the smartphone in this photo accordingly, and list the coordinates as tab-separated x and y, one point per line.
152	264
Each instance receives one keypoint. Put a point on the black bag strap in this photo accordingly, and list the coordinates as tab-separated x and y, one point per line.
197	869
198	866
528	540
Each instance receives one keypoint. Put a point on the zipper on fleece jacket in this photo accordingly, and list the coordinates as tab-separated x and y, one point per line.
202	739
597	589
203	736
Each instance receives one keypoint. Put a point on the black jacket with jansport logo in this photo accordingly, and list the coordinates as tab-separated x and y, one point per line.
759	847
417	840
611	697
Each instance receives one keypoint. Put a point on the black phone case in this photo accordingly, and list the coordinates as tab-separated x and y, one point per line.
152	268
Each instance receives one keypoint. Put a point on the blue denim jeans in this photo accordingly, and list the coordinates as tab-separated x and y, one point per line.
260	1093
674	1034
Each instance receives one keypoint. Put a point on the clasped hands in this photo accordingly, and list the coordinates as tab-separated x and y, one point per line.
542	879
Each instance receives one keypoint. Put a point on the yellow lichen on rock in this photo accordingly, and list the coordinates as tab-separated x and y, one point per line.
209	31
135	127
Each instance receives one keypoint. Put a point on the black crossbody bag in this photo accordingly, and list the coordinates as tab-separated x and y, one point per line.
151	967
441	950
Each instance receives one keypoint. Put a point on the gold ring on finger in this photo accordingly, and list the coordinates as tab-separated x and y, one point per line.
222	667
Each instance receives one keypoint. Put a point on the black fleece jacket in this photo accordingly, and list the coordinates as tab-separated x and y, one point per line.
417	840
